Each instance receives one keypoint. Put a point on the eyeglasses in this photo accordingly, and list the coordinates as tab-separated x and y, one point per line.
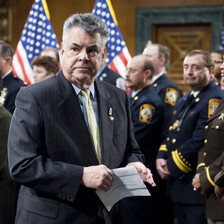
132	70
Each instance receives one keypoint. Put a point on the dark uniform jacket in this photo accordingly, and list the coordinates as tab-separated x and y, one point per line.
148	117
184	140
170	94
49	144
13	85
109	76
210	162
7	186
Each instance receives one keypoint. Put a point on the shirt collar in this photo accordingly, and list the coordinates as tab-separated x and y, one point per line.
155	77
6	73
91	88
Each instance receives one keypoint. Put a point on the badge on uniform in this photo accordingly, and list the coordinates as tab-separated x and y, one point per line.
146	113
212	106
171	96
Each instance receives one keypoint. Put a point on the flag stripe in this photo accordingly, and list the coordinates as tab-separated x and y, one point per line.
22	67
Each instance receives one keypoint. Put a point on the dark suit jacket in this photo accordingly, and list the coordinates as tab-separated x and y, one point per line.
7	186
49	144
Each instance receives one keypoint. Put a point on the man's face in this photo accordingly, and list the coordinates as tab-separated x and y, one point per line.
82	55
217	59
152	52
134	74
196	75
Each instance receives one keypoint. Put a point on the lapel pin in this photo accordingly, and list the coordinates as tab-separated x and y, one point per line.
110	113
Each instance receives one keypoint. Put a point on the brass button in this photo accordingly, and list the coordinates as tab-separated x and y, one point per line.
170	128
206	126
136	98
155	85
205	141
174	141
197	100
167	139
204	154
217	127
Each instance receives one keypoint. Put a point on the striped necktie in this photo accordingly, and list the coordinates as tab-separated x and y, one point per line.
93	126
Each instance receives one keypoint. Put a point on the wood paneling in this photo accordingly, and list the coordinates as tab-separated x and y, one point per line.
181	39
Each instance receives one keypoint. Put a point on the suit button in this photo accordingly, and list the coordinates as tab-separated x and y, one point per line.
170	128
204	154
174	141
217	127
167	139
205	141
206	126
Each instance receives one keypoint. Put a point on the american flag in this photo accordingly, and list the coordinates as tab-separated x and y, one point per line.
36	36
118	56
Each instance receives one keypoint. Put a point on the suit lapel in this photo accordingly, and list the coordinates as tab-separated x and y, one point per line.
71	112
106	111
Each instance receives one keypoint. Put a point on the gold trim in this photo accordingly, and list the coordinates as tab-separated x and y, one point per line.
180	164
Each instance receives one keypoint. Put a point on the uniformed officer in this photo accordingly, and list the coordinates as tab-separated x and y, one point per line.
106	74
147	117
210	161
11	83
177	156
168	91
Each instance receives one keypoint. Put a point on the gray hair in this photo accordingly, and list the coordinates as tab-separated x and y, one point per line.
6	50
88	22
163	52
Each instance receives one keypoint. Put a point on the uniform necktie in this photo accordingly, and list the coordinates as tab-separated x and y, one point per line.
183	112
93	126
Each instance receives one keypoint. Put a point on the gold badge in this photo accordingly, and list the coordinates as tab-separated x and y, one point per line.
171	96
212	106
146	113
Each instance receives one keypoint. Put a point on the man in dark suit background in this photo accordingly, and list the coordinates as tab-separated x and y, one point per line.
11	83
52	151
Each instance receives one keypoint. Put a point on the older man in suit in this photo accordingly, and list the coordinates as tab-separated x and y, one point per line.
56	152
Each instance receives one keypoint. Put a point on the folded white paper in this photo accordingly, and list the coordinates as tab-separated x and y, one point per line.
127	183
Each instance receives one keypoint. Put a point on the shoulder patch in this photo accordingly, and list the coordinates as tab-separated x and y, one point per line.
212	106
146	113
171	96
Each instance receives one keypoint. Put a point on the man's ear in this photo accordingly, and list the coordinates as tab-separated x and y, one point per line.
162	61
148	74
